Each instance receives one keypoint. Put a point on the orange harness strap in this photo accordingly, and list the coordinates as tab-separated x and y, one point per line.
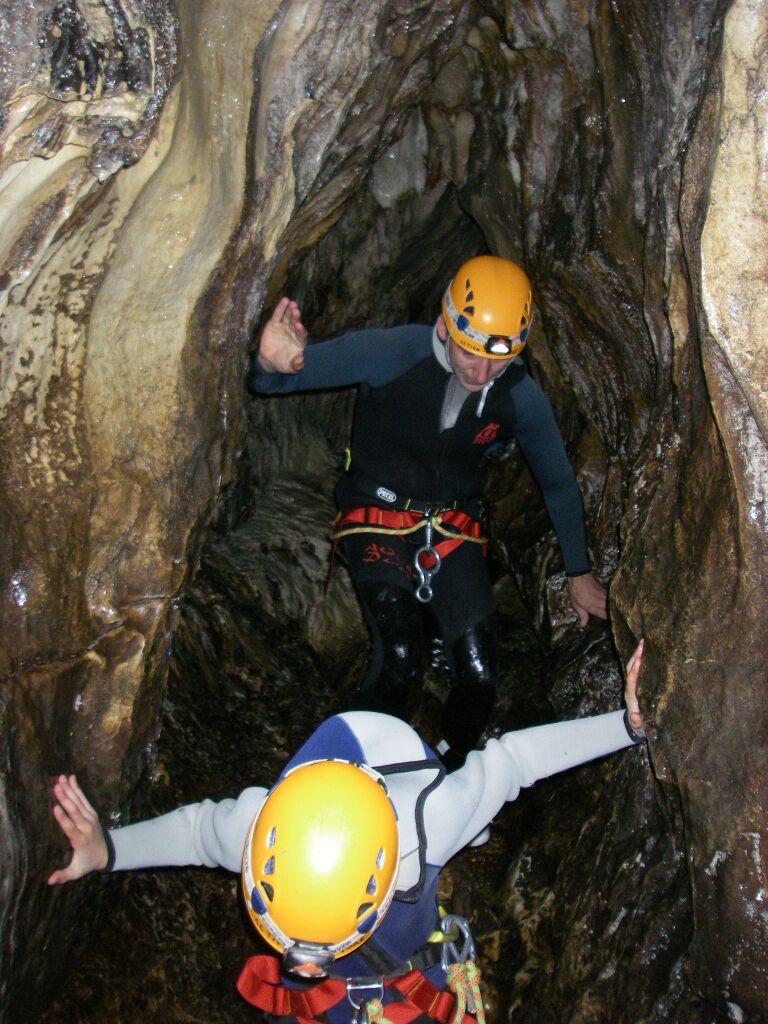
260	985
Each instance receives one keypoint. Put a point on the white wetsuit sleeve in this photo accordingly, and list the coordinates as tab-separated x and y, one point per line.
210	834
545	750
467	799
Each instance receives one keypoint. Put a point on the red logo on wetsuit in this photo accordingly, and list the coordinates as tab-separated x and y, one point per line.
487	434
388	555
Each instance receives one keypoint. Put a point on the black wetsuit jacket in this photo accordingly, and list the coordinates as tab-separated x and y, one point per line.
398	448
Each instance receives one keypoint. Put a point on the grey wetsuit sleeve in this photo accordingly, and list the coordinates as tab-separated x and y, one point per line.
372	357
210	834
469	798
542	445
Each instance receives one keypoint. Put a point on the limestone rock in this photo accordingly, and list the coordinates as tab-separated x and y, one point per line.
166	172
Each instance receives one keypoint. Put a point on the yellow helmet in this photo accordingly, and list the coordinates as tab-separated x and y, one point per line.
488	306
320	863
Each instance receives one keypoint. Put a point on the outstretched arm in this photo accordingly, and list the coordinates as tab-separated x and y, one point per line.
588	597
634	715
80	824
283	340
469	798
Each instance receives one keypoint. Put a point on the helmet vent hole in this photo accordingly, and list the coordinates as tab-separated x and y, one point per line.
268	890
269	867
380	858
272	837
370	889
363	909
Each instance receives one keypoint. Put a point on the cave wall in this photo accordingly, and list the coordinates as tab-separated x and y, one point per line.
166	169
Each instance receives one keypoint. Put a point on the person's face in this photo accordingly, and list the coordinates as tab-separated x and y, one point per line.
472	372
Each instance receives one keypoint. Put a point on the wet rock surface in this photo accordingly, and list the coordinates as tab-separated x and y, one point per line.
174	945
166	171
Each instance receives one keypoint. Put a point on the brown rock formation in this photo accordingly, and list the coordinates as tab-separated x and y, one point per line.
166	170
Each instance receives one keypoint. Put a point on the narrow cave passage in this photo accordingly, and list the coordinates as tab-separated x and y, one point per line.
262	654
168	171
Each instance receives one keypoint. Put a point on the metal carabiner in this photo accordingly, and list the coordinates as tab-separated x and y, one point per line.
450	953
423	587
355	985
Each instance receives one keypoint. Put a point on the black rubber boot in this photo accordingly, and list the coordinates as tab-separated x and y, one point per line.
397	660
473	661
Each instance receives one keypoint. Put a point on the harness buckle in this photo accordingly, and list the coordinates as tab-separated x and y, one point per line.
355	986
450	951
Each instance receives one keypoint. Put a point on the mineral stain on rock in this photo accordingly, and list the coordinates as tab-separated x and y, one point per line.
83	63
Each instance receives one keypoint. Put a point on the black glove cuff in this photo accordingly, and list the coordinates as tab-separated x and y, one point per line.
636	737
109	866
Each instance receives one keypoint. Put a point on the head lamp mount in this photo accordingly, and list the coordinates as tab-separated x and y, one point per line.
308	960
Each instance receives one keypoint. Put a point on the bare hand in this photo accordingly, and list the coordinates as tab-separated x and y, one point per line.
80	824
634	714
588	597
283	339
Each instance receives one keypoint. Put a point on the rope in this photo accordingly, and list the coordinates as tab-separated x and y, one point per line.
375	1012
391	530
464	981
403	531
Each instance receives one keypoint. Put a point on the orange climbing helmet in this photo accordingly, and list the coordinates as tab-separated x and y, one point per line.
488	307
320	863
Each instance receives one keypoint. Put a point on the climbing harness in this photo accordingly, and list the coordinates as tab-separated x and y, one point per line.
456	527
364	1005
261	984
367	1008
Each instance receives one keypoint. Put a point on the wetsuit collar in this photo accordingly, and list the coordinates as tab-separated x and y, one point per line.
441	351
454	399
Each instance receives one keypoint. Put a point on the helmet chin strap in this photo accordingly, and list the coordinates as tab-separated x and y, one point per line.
440	348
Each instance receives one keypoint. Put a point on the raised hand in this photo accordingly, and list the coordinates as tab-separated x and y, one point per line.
80	824
588	597
283	339
634	714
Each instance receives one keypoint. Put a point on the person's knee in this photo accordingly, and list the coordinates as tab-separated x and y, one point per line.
473	657
397	650
473	663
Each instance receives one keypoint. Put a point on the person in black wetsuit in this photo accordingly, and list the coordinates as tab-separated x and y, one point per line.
431	401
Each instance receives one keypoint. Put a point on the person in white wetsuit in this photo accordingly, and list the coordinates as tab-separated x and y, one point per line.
423	817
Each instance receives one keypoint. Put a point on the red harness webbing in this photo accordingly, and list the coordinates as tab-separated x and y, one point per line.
260	985
397	523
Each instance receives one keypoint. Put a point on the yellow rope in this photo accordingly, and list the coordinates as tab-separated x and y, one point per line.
375	1011
391	530
464	982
